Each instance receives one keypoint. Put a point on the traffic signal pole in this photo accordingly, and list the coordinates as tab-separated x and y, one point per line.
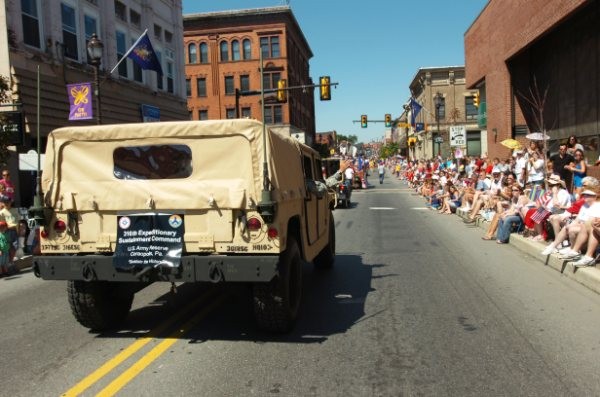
239	93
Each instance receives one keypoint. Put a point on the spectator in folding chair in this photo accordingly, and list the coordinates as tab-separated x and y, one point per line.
571	230
554	201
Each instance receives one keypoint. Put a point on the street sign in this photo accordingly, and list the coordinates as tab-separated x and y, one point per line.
403	125
438	139
11	127
458	135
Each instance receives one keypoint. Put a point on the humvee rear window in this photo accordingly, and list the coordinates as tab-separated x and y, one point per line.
152	162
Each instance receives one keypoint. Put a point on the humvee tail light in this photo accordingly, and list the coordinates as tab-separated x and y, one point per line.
43	233
272	233
60	226
254	224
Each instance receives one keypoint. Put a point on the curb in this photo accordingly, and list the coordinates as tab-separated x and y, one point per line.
586	276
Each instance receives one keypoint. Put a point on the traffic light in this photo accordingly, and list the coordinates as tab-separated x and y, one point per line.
363	121
325	88
476	100
388	120
281	92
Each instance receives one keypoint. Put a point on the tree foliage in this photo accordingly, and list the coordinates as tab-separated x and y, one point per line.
389	150
350	138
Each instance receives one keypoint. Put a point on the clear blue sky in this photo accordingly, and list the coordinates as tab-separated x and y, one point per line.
372	48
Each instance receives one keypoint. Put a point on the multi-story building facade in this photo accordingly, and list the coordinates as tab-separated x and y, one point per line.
53	34
455	107
222	56
553	45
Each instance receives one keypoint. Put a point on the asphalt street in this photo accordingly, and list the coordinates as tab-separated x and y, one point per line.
416	305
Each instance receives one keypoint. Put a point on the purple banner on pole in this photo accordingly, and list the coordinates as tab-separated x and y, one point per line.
80	101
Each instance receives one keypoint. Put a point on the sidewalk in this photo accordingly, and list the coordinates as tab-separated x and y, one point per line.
587	276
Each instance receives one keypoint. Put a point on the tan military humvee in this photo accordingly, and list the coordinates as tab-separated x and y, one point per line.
127	205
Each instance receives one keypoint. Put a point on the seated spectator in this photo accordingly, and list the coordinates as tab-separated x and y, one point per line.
555	201
510	217
559	220
572	229
450	200
484	183
516	200
587	236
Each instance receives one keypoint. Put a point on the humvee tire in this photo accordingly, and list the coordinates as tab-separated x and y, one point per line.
99	305
276	303
326	257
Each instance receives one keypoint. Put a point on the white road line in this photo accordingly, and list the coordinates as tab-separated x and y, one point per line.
381	208
419	208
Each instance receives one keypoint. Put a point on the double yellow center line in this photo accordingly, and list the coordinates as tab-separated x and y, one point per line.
137	367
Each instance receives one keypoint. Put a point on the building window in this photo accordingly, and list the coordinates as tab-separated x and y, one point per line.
158	32
203	114
91	27
247	48
270	46
246	113
192	56
230	113
203	53
69	29
273	115
168	37
224	51
188	87
201	86
159	78
470	109
121	48
135	18
270	80
244	82
441	111
31	22
170	72
138	75
235	50
120	11
191	114
229	86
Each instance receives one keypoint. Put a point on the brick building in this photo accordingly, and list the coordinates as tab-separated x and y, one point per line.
456	109
53	35
222	55
555	43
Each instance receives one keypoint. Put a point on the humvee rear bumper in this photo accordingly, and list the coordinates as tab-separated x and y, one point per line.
193	268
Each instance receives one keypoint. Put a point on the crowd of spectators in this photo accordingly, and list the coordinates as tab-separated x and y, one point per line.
547	199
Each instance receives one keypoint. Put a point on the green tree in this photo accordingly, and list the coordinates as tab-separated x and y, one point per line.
350	138
389	150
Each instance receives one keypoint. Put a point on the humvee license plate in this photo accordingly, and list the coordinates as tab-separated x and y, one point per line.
146	240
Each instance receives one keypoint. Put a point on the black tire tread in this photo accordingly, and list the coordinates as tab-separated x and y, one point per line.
96	305
271	312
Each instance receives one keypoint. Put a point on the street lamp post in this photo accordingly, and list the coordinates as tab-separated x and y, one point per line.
438	103
94	49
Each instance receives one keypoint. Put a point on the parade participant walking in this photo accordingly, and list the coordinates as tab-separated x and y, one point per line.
381	169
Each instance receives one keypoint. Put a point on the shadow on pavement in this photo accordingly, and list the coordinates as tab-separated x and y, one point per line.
333	301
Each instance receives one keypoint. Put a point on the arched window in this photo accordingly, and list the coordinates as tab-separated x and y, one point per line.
247	49
203	53
224	51
235	50
192	56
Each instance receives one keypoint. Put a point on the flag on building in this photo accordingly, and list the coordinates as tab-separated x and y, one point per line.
415	108
80	101
142	53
